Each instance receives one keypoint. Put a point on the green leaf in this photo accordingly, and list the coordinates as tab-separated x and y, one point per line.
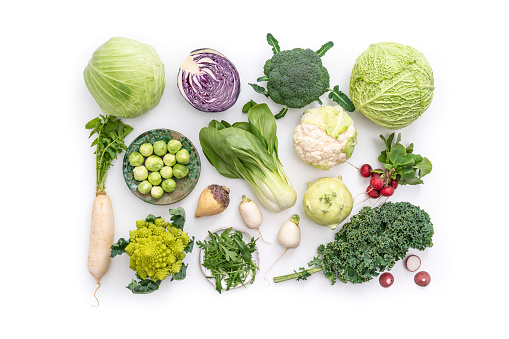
259	89
342	99
178	217
181	275
274	43
118	248
281	113
263	78
397	154
248	105
410	148
325	47
145	286
424	167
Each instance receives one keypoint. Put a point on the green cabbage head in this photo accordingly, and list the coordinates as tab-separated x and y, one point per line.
391	84
125	77
327	202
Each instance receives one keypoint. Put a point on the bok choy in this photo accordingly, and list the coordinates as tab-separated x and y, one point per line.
249	151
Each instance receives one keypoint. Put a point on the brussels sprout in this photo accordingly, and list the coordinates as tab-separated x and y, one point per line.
146	149
327	202
140	173
169	159
156	192
144	187
169	185
166	172
182	156
136	159
160	148
154	178
180	171
154	163
174	146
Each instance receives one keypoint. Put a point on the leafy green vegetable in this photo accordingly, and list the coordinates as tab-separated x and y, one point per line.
296	78
392	84
156	250
401	163
371	242
249	151
109	143
229	258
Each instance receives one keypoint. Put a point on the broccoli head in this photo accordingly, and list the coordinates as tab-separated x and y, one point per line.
295	78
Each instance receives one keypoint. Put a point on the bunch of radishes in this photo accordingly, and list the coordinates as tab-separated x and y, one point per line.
381	183
412	263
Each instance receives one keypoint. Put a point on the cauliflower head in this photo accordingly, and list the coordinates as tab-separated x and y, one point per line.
156	249
325	137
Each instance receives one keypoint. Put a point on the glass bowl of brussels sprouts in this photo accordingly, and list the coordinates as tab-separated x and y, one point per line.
161	166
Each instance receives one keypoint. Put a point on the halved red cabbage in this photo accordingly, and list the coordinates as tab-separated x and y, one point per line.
209	81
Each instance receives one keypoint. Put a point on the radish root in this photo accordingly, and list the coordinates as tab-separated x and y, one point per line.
266	282
98	285
261	237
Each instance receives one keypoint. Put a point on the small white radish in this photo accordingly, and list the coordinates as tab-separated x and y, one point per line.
251	214
412	263
101	238
289	236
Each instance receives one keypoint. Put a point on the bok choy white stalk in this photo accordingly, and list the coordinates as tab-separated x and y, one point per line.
249	151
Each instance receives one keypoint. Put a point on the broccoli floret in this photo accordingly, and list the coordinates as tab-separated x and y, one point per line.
295	78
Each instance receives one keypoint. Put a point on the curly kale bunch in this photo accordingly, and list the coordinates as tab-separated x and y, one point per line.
295	78
371	242
156	250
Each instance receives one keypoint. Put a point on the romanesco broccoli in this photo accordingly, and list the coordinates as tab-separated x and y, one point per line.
156	250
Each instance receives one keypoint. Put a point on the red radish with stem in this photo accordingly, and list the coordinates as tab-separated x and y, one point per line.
376	182
372	193
387	191
394	183
365	170
422	278
412	263
386	279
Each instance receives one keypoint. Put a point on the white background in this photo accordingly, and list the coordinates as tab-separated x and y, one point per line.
49	179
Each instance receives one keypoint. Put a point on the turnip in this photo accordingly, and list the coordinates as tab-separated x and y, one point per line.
288	237
413	263
422	278
213	200
386	279
251	214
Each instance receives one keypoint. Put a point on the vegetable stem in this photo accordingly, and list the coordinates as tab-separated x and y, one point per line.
297	274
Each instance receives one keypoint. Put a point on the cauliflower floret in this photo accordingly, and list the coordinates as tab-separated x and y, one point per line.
315	147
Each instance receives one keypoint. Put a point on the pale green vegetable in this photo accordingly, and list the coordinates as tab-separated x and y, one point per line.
154	178
154	163
180	171
156	192
160	148
169	159
327	201
391	84
140	173
182	156
144	187
125	77
136	159
169	185
146	149
325	137
174	146
166	172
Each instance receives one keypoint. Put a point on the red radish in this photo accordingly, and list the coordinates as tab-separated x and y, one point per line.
387	191
376	182
394	183
372	193
412	263
422	278
386	279
365	170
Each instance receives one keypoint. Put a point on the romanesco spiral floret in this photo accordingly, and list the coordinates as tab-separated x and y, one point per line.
156	249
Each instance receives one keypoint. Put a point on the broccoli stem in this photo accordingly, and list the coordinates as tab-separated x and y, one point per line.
297	274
